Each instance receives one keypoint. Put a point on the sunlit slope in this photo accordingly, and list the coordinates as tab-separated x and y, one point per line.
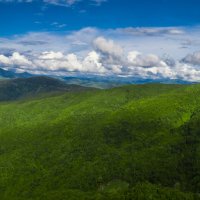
100	144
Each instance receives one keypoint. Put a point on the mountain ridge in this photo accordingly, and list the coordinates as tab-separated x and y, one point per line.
10	74
96	81
13	89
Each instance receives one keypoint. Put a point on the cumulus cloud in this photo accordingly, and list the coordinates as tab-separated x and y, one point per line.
136	64
4	60
92	63
135	58
111	53
104	52
15	59
54	62
107	47
51	55
193	59
82	41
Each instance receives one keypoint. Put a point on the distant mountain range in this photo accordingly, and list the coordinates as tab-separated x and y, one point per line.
115	81
95	81
11	74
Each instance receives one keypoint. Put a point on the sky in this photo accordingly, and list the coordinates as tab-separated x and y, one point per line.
156	39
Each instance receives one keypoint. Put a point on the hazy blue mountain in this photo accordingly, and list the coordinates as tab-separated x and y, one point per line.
115	81
10	74
94	80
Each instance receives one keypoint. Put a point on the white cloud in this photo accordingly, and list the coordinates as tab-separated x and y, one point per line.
110	53
19	59
193	58
82	41
16	59
49	55
136	65
107	47
92	63
106	52
155	31
137	59
4	60
70	62
54	61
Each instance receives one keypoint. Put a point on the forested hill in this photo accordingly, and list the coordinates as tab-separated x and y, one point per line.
13	89
137	142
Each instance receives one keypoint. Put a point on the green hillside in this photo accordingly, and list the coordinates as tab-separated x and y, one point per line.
13	89
139	142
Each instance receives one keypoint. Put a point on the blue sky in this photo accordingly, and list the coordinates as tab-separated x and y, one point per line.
18	18
139	38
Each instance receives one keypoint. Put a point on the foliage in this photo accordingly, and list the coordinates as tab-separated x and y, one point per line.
133	142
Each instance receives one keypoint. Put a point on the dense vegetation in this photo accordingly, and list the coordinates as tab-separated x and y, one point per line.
139	142
13	89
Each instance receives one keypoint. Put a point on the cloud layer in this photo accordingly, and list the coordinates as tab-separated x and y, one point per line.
141	53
